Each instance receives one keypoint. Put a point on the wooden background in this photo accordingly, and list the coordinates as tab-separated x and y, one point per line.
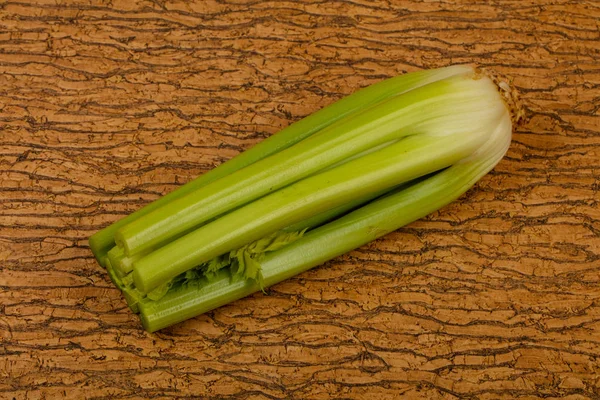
106	105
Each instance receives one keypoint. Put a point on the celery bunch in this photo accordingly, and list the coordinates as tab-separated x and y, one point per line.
352	172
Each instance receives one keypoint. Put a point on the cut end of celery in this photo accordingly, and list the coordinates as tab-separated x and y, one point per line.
99	247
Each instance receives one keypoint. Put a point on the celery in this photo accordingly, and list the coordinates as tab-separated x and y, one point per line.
393	158
121	263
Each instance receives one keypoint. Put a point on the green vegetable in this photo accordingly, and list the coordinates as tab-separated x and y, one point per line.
346	177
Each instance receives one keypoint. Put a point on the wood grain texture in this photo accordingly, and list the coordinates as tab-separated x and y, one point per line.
106	105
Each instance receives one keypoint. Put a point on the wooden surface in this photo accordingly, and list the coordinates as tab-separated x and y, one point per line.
106	105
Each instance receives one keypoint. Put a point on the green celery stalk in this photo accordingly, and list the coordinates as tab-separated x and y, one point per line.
115	256
344	234
121	263
103	241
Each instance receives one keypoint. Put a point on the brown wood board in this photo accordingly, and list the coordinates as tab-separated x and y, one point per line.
106	105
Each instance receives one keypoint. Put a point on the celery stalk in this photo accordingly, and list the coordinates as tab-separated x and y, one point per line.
120	262
103	241
115	256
